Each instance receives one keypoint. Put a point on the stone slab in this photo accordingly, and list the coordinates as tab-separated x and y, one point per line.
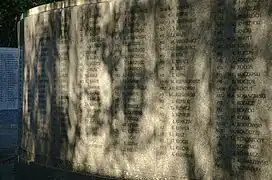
8	78
150	89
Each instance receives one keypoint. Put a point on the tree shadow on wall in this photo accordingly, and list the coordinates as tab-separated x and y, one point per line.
67	114
231	39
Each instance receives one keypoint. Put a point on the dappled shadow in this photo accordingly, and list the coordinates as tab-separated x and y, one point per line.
130	89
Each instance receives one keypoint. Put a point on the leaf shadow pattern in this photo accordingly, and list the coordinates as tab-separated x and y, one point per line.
231	32
74	126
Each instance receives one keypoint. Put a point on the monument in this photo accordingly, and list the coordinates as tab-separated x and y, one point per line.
8	100
9	78
149	89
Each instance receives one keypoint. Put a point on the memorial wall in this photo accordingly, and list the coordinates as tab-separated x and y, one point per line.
8	99
8	78
149	89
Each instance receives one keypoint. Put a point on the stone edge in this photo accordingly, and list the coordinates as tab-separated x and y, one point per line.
59	5
8	49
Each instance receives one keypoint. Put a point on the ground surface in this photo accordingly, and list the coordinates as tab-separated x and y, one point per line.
8	144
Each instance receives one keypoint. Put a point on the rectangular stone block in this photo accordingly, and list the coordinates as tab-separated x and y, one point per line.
149	89
8	78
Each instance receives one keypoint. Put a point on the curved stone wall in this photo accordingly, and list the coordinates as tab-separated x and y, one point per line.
149	89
